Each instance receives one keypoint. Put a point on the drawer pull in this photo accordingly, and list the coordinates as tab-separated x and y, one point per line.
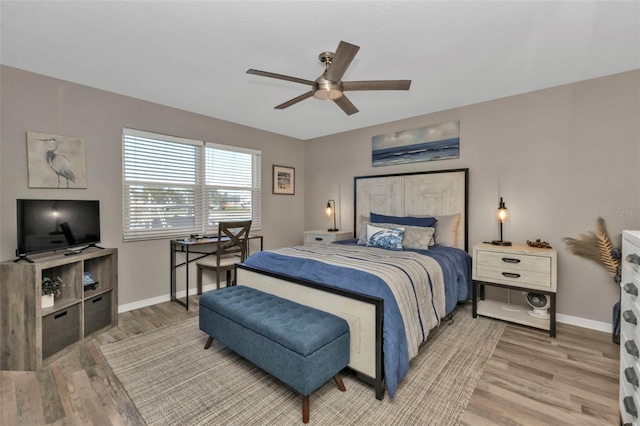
97	299
511	275
60	315
510	260
631	376
633	258
318	238
630	317
631	348
630	406
631	289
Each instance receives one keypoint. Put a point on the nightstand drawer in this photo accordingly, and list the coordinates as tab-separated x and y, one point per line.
325	237
514	261
513	276
318	239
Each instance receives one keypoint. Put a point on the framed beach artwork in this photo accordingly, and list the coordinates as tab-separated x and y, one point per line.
56	161
439	142
284	180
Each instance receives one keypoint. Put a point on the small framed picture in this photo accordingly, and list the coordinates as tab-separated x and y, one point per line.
284	180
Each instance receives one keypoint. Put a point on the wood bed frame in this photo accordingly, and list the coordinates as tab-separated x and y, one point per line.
439	192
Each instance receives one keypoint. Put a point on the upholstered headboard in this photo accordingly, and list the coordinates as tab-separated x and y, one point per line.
441	192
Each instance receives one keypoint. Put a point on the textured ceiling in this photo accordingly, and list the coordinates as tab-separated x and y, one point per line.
194	55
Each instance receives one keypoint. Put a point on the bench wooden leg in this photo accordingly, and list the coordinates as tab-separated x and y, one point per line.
339	382
209	341
305	408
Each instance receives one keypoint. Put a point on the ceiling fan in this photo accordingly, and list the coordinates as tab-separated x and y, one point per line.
329	86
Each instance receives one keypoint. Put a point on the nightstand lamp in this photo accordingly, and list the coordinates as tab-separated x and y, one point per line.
332	211
502	216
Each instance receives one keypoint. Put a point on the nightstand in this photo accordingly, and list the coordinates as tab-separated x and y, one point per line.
325	237
516	267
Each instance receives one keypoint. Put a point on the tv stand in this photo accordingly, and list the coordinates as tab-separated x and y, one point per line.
23	257
73	252
31	335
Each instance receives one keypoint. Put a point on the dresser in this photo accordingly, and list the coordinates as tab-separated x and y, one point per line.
517	267
629	330
325	237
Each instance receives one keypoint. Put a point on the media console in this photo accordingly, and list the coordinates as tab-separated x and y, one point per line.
32	336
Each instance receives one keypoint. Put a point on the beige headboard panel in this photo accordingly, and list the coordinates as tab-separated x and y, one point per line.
441	192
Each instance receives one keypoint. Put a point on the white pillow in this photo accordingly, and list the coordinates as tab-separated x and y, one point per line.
387	238
447	230
415	237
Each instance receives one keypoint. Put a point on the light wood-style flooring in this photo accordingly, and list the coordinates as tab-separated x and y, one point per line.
531	379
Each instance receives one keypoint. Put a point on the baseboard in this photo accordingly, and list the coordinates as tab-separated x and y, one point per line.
565	319
584	323
160	299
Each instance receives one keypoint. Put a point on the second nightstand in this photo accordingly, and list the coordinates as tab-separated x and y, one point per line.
515	267
325	237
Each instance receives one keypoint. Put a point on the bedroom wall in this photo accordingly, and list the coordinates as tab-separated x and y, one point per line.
560	157
32	102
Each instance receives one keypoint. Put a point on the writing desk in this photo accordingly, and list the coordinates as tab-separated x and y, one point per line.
194	247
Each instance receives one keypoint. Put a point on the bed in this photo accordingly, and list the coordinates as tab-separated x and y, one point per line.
390	298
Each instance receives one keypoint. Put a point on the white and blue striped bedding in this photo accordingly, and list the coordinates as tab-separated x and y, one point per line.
418	288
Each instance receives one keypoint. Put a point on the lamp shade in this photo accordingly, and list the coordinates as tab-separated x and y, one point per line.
502	213
332	211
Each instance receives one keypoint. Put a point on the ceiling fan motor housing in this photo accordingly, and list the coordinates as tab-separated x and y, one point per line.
326	89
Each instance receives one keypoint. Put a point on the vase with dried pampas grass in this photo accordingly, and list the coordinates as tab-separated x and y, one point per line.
597	247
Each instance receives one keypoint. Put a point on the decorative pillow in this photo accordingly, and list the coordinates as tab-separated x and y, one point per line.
404	220
447	230
415	237
387	238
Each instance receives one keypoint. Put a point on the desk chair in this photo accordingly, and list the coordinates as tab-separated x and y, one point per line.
232	247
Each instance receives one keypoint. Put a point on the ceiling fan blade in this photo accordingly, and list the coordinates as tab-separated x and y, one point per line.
346	105
295	100
341	61
377	85
280	76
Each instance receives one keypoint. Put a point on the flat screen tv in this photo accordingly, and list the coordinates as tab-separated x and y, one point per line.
49	225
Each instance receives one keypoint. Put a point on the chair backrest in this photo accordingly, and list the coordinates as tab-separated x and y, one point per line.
232	238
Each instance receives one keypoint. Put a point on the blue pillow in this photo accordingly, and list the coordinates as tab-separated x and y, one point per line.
385	238
404	220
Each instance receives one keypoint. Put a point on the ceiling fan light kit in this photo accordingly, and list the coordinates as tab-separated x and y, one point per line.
329	86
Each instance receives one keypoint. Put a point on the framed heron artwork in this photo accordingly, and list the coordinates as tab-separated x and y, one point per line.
56	161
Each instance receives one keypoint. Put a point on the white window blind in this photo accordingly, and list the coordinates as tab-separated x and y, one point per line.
177	187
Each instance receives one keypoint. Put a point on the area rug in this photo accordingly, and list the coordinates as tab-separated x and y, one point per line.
172	380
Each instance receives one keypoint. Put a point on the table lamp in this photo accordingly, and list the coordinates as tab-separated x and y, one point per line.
332	211
502	216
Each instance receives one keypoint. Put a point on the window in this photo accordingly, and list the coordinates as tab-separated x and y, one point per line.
176	187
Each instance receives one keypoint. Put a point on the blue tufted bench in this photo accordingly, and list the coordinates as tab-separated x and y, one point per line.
301	346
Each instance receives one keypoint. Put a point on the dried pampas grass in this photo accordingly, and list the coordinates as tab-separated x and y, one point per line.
597	247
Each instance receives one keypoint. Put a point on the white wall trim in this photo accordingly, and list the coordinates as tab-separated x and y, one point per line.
565	319
160	299
585	323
